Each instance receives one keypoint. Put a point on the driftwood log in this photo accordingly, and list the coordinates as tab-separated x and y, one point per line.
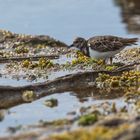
11	96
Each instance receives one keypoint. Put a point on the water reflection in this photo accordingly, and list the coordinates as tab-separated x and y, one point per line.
96	94
130	11
30	113
10	99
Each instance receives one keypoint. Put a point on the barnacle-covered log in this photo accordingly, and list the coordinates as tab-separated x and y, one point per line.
17	39
11	96
18	47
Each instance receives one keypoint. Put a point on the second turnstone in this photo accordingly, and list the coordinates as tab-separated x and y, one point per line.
103	47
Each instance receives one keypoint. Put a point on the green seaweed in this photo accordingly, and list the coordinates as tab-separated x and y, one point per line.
88	119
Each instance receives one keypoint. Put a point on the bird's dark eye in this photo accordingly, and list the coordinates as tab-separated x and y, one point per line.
76	42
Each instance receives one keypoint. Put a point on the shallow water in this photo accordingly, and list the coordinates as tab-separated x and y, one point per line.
63	20
32	113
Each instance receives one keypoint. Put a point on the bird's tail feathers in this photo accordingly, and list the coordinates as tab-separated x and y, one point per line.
131	41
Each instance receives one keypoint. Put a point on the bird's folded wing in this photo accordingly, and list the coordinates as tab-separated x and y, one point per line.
105	45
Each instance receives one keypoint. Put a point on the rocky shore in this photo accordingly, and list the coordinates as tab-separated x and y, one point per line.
41	59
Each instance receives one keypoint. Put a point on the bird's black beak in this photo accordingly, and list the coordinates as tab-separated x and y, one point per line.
71	46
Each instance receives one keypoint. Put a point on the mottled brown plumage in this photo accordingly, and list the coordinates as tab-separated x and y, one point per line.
110	43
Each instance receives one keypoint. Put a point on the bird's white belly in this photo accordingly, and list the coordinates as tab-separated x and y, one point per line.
97	55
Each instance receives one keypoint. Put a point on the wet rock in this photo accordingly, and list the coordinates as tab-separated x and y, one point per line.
114	122
2	114
130	134
14	129
51	103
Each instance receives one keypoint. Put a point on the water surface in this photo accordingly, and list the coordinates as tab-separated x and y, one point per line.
63	20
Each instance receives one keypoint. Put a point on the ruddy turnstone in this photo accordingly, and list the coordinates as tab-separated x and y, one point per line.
103	47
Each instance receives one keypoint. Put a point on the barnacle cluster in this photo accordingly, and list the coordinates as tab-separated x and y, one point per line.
132	95
42	63
21	49
6	33
81	59
95	133
28	96
129	55
84	62
126	79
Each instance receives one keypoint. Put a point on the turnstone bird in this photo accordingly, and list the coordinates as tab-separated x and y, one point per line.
103	47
